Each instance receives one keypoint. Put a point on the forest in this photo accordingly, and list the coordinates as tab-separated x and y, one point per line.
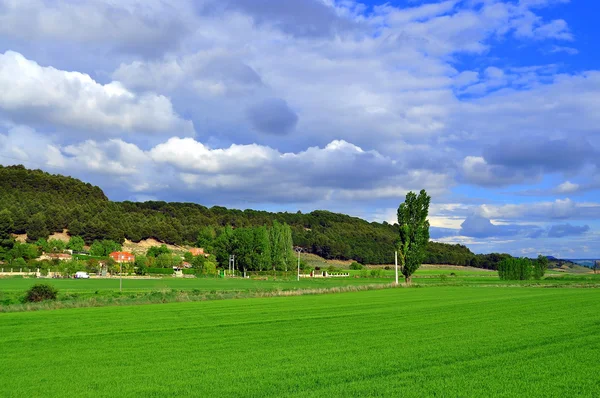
39	203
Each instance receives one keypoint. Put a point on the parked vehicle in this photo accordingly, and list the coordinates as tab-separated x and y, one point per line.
82	275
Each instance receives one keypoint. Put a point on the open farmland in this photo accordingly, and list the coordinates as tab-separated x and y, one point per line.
445	341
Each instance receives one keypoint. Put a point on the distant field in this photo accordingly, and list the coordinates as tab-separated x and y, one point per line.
447	341
426	276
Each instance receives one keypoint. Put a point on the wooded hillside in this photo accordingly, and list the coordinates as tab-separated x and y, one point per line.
41	203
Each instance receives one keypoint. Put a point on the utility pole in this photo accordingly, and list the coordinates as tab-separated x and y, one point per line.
298	249
121	277
396	262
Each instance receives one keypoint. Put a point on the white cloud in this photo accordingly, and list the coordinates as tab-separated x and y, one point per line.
40	94
567	187
144	27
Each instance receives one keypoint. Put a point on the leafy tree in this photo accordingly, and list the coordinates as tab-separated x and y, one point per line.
141	267
24	250
97	249
414	232
37	227
6	228
110	246
198	264
56	245
206	237
189	257
262	249
540	266
76	243
156	251
167	260
19	262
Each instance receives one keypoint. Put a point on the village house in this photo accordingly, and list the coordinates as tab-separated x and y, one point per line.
198	251
122	257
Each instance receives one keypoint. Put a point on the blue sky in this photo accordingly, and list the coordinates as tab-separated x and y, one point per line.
345	105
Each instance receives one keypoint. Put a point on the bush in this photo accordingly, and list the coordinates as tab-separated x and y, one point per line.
356	266
41	292
376	273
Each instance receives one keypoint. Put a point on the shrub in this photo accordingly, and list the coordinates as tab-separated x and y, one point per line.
356	266
376	273
332	269
41	292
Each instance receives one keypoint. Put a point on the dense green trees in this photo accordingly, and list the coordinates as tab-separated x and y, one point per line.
515	269
104	248
41	203
76	243
414	232
540	266
254	248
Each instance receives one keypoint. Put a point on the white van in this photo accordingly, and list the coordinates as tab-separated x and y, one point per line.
82	275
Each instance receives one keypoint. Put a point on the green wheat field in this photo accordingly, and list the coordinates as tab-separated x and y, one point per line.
429	341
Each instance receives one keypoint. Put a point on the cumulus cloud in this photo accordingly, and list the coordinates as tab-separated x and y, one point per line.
37	94
187	167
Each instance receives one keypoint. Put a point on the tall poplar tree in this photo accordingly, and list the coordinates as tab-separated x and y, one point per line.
414	232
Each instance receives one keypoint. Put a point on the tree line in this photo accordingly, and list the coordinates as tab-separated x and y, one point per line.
39	204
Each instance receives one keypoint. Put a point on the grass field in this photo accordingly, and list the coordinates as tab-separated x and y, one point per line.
203	284
447	341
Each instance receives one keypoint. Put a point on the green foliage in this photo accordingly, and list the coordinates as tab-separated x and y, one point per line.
76	243
41	292
159	271
210	268
156	251
19	250
540	265
168	260
356	266
56	246
514	269
7	226
37	227
104	248
65	202
414	231
19	262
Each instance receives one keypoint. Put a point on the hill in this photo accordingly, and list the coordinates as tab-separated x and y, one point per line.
40	204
